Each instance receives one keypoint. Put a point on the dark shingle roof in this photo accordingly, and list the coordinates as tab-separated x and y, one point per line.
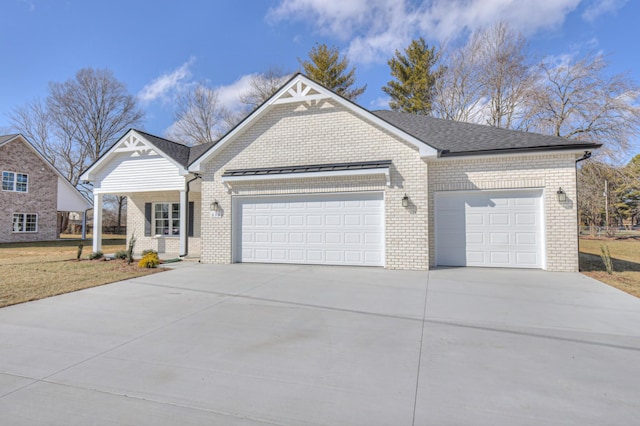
198	150
333	167
5	138
182	154
458	138
175	150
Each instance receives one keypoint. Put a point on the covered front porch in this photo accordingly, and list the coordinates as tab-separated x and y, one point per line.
167	222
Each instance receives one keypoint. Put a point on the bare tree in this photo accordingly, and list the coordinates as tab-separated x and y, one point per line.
578	100
458	93
94	107
34	122
263	85
488	80
78	121
199	116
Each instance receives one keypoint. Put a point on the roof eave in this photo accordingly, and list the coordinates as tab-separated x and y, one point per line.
504	151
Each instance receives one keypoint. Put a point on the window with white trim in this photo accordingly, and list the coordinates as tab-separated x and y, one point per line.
166	218
16	182
25	222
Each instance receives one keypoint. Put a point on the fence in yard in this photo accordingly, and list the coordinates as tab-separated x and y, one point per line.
609	231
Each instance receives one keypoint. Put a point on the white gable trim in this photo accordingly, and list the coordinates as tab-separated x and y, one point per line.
302	89
62	180
127	144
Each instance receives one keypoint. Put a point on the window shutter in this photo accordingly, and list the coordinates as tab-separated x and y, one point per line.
147	219
190	223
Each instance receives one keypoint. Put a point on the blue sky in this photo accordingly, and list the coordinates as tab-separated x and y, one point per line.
160	47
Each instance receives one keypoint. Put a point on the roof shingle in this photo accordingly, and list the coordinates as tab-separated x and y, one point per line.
458	138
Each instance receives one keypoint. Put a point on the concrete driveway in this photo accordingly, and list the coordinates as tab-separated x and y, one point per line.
277	344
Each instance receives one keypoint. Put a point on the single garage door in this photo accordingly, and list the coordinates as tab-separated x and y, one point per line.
328	229
489	228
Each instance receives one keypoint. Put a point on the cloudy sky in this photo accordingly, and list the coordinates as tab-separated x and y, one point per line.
160	47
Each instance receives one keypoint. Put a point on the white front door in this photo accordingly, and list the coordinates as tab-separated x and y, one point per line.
330	229
490	228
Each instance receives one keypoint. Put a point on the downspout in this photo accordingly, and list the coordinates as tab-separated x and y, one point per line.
586	156
186	241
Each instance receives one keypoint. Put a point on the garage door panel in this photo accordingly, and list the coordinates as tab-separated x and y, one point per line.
314	220
472	256
315	228
499	238
474	219
526	258
499	258
489	228
500	219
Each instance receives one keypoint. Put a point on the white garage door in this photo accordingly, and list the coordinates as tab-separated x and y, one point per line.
489	228
330	229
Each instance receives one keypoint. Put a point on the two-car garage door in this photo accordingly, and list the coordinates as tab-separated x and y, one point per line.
329	229
489	228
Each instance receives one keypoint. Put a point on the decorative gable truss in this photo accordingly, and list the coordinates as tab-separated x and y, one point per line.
301	91
132	143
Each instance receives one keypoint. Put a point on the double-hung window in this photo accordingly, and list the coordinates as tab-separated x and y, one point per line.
167	219
25	222
16	182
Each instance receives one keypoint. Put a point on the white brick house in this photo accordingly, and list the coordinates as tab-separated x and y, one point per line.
310	177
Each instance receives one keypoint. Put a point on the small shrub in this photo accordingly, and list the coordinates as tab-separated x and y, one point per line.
606	258
121	254
148	251
80	247
149	260
96	255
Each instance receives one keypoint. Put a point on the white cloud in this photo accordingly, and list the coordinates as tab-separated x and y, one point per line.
162	86
600	7
380	103
228	95
376	28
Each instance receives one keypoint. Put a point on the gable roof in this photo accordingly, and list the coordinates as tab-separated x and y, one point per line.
177	151
455	138
300	88
4	139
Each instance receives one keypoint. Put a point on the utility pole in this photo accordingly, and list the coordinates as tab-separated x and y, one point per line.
606	204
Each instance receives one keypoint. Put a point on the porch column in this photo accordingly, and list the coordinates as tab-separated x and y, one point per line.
183	222
97	222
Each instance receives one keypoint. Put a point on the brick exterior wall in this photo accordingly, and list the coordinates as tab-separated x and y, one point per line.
294	134
41	197
548	172
136	223
326	132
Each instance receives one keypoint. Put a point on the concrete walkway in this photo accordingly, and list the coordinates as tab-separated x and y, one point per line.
289	345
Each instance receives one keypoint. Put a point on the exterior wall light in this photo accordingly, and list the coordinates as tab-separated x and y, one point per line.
562	196
215	206
405	201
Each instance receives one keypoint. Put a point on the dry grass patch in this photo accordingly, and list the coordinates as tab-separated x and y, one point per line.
625	256
31	271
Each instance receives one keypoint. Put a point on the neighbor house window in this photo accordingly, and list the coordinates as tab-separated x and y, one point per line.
17	182
25	222
167	219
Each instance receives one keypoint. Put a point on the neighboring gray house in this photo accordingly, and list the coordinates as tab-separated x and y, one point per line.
312	178
32	193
